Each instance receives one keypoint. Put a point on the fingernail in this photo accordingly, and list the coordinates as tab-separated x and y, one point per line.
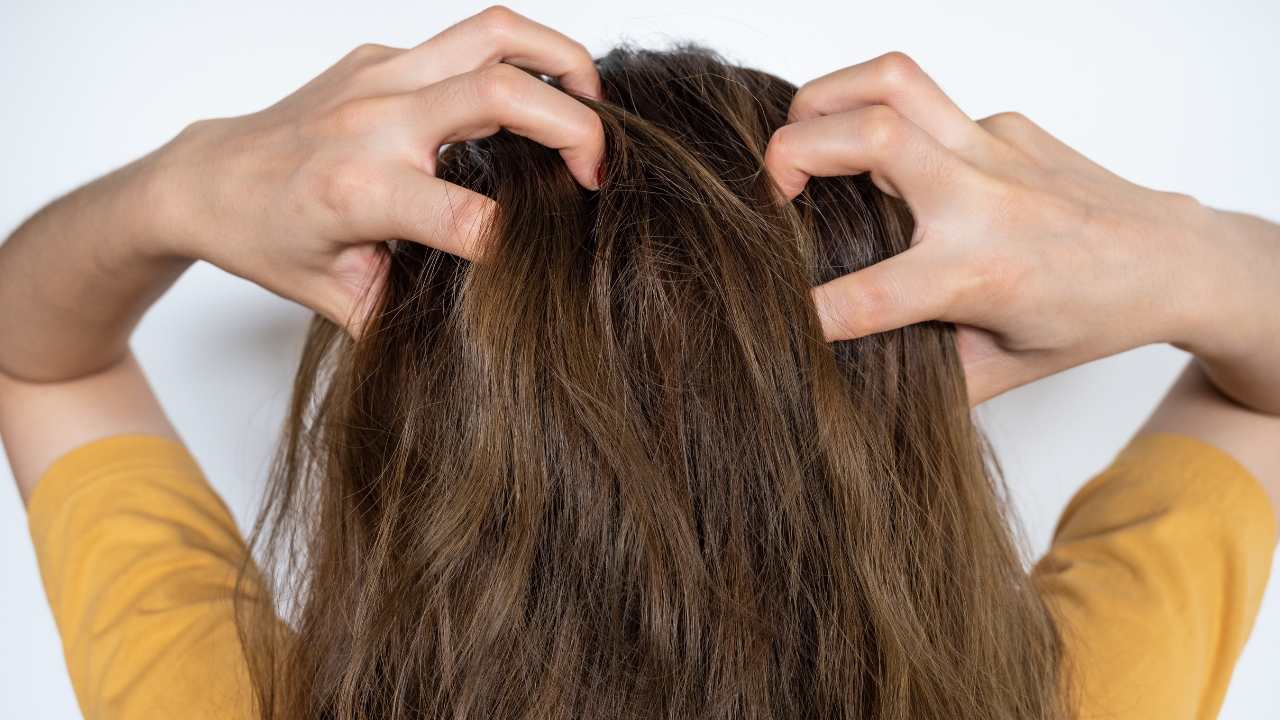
599	174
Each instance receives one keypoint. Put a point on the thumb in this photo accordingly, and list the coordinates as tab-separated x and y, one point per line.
914	286
988	369
350	293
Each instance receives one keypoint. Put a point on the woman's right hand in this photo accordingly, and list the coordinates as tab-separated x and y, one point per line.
1043	259
299	197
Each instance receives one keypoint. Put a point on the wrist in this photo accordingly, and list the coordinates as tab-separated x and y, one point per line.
128	227
161	200
1220	290
1196	272
1237	335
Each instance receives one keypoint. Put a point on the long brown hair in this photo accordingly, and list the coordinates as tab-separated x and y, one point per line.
612	469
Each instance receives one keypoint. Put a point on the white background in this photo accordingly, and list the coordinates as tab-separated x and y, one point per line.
1175	95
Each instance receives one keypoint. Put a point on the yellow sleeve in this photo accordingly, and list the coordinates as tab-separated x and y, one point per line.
139	558
1157	570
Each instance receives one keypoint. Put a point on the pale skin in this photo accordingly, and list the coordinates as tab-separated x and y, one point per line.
1043	259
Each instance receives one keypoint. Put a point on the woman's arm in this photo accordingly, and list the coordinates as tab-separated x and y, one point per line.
41	422
74	281
1043	259
297	198
1195	407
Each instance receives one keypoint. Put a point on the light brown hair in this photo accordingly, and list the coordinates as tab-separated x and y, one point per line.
612	469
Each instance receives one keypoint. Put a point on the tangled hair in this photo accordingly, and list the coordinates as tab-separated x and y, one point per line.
612	469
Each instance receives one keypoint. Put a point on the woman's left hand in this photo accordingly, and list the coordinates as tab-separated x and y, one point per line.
1042	259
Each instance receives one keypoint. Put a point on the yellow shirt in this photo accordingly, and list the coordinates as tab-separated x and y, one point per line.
1157	570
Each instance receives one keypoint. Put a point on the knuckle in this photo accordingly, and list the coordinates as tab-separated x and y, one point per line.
500	85
369	52
883	129
344	187
1003	283
1008	124
356	117
781	148
869	308
592	129
583	58
1007	205
363	77
198	128
784	157
1013	117
498	20
1003	269
804	100
1182	205
367	66
858	307
896	69
997	276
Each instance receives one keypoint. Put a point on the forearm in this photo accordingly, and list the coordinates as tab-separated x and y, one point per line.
76	278
1229	395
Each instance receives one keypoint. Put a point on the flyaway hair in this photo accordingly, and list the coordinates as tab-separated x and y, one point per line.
612	469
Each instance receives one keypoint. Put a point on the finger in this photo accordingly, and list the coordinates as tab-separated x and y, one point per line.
917	285
499	35
376	204
435	213
904	160
894	80
986	364
354	286
1017	131
477	104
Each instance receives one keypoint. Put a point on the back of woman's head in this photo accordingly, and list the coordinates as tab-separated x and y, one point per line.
612	469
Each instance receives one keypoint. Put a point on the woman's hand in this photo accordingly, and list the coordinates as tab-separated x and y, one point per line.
1043	259
299	197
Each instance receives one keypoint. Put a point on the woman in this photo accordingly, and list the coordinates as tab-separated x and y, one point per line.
1000	212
